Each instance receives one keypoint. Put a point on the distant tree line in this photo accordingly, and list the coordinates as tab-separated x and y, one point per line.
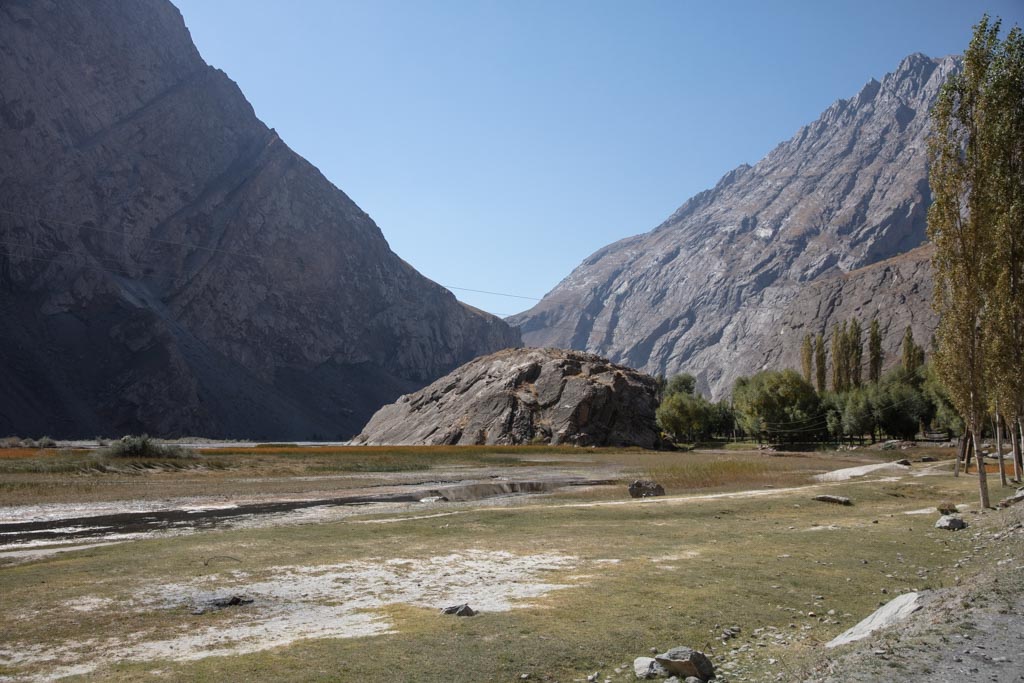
784	406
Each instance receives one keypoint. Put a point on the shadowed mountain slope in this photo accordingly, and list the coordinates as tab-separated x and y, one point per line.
168	264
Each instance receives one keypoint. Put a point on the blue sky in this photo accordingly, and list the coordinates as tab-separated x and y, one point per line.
498	144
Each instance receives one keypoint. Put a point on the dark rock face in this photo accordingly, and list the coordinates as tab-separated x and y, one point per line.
522	396
168	264
730	283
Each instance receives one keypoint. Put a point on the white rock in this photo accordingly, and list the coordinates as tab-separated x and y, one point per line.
894	611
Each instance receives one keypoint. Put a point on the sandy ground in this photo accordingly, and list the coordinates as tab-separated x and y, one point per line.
291	603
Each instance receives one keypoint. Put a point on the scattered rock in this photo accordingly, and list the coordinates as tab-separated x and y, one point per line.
221	603
903	462
463	610
685	661
643	488
837	500
927	458
648	667
950	523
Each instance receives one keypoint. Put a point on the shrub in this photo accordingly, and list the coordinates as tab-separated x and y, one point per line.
144	447
46	442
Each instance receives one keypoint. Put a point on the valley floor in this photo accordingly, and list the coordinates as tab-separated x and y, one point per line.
326	563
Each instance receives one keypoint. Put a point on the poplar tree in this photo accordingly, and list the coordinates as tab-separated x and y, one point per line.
838	358
913	355
855	353
807	358
875	355
820	363
1002	142
972	175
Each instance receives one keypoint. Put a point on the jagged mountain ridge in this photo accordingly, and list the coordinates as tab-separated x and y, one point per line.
168	264
722	287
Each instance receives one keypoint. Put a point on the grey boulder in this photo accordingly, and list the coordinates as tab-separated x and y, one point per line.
647	668
524	396
685	661
951	523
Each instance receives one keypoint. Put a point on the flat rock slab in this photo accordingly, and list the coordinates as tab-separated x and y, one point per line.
863	470
892	612
835	500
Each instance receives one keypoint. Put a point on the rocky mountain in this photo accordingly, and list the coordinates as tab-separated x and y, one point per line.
168	264
732	280
523	396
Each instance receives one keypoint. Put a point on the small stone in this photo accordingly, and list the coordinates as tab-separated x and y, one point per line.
463	610
593	677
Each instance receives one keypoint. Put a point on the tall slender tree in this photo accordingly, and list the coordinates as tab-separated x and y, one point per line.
807	357
855	353
838	358
875	354
820	363
970	178
913	355
1002	144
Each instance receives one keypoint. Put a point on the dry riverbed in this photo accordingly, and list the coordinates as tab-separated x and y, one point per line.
298	566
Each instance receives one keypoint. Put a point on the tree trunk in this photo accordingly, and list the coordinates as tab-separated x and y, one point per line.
961	451
1015	446
982	475
999	449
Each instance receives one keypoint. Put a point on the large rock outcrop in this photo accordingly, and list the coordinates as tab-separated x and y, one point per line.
731	281
522	396
168	264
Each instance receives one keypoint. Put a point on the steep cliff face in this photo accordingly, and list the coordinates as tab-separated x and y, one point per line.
523	396
168	264
718	289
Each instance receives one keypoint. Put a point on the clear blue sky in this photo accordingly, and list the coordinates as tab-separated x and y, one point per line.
498	144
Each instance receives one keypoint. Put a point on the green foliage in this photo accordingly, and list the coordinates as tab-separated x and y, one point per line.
900	408
684	383
858	413
685	417
820	363
778	406
875	355
912	354
807	358
976	160
144	447
854	353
